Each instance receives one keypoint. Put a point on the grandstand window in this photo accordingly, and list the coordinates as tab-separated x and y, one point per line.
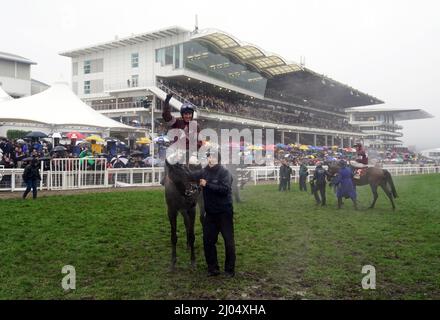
207	60
160	55
169	55
86	87
134	80
87	66
178	53
135	60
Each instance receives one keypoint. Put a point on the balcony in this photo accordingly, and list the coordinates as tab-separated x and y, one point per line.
383	133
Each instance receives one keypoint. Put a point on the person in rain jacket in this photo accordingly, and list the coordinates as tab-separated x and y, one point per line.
31	176
345	186
303	174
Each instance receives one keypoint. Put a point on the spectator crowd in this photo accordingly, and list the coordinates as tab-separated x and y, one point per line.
224	102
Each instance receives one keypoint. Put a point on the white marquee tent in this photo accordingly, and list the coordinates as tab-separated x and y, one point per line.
57	108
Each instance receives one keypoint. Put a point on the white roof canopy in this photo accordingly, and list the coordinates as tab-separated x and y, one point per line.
57	106
398	114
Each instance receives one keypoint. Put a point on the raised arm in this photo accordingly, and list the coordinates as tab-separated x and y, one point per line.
166	113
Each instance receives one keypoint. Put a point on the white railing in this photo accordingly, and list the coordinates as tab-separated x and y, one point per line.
71	174
271	173
84	173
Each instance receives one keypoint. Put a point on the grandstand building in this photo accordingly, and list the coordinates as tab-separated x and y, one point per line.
15	76
380	124
232	84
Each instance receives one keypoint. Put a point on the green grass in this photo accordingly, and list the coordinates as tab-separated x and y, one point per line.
287	248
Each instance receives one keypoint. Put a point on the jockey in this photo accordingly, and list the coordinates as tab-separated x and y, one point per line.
361	154
187	115
361	160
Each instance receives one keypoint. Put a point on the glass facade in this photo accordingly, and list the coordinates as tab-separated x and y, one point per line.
206	60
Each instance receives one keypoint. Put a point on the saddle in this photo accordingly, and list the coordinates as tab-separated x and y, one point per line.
358	165
360	169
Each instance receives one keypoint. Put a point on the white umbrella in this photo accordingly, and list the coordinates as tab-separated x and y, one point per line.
161	139
119	159
56	135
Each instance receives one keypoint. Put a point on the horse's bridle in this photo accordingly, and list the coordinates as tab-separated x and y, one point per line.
190	189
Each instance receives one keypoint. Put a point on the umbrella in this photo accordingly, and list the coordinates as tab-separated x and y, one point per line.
111	139
83	143
21	141
56	135
161	139
75	135
116	159
143	140
303	147
59	149
269	147
95	138
149	161
36	134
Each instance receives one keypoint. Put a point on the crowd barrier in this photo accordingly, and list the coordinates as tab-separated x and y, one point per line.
71	174
271	173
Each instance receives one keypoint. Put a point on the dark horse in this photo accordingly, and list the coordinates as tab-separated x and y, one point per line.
182	195
373	176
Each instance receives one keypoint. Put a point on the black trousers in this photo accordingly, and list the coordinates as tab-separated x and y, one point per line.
321	189
212	226
302	183
284	184
31	185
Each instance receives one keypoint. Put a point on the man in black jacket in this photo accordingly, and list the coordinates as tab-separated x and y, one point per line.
217	194
285	174
319	178
31	176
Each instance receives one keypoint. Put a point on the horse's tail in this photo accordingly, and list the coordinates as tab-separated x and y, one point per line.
389	180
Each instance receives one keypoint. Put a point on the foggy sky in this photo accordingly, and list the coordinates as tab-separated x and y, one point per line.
389	49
